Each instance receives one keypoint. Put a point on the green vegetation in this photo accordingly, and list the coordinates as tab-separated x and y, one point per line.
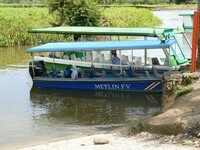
75	13
15	22
184	90
135	125
156	113
130	17
114	1
19	5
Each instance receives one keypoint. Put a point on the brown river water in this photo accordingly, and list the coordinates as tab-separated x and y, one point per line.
30	116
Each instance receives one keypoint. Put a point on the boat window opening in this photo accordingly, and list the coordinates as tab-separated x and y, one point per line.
177	51
186	46
166	60
160	58
181	47
188	40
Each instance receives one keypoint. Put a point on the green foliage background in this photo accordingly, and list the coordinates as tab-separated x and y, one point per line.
130	17
75	12
14	22
113	1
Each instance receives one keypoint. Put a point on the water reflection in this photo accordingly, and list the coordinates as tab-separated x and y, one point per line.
13	56
91	107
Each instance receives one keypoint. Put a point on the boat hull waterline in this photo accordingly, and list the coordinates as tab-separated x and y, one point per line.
140	85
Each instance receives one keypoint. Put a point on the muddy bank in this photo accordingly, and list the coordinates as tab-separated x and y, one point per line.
180	107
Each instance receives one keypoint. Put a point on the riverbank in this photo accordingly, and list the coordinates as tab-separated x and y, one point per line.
118	141
179	119
181	109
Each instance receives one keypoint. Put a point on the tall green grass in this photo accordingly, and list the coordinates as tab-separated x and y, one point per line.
14	22
130	17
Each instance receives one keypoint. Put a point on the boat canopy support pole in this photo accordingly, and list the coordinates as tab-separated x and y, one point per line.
187	40
120	55
36	39
145	53
195	41
58	37
33	68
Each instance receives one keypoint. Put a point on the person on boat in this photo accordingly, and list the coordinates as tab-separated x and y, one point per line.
115	59
94	72
68	72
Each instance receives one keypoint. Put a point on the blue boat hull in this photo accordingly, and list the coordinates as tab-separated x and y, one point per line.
140	85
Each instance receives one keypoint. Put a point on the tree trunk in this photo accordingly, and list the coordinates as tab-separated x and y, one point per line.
198	47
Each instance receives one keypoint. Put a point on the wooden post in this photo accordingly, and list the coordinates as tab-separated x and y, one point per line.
195	41
198	54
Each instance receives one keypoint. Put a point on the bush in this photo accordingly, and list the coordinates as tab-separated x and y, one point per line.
130	17
75	13
14	23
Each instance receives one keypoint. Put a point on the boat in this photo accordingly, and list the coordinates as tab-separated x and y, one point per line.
113	79
188	20
85	59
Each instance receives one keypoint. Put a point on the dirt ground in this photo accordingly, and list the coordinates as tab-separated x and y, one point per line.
142	141
181	117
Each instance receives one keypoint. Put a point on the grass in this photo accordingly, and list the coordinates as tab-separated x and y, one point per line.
130	17
135	126
185	90
169	6
15	22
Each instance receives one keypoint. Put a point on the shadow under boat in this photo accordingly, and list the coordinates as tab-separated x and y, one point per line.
91	107
135	97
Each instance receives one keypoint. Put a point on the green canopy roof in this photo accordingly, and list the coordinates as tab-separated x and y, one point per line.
149	32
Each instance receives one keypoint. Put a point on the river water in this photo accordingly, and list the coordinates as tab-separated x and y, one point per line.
30	116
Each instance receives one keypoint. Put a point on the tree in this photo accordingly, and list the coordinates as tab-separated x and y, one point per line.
75	12
180	1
